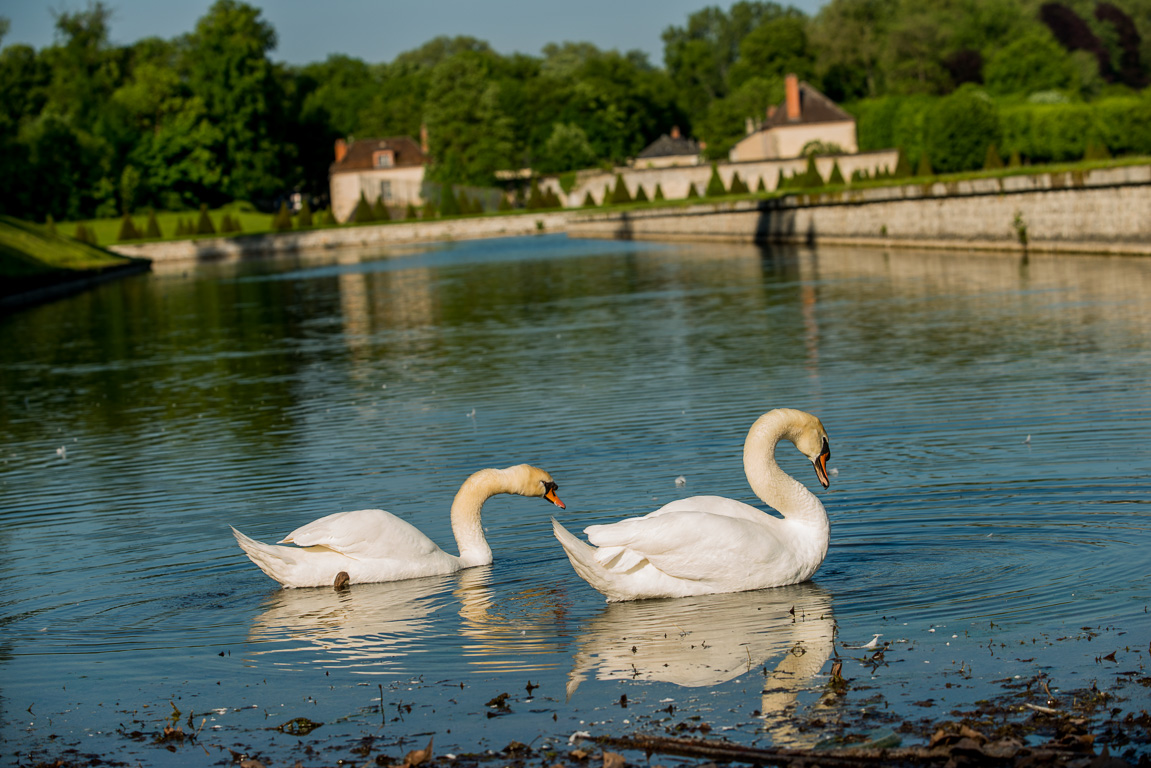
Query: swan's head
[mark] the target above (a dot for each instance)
(803, 429)
(533, 481)
(811, 440)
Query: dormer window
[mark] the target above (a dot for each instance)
(384, 158)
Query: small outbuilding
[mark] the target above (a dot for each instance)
(805, 116)
(390, 169)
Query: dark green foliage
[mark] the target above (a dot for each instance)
(552, 198)
(958, 129)
(620, 194)
(281, 222)
(811, 177)
(738, 187)
(715, 186)
(1096, 150)
(204, 224)
(85, 234)
(363, 211)
(152, 228)
(658, 192)
(640, 194)
(304, 215)
(128, 229)
(836, 176)
(691, 193)
(781, 180)
(411, 214)
(924, 168)
(50, 225)
(380, 211)
(535, 199)
(992, 161)
(449, 203)
(429, 210)
(902, 166)
(761, 186)
(1016, 160)
(505, 203)
(588, 200)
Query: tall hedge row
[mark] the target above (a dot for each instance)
(955, 130)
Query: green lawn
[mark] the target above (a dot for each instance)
(31, 257)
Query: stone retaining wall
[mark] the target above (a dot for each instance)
(1101, 211)
(398, 233)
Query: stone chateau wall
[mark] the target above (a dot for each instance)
(1100, 211)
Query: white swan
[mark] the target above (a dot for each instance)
(709, 544)
(371, 545)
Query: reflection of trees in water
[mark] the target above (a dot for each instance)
(786, 634)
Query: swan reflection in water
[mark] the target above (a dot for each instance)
(373, 626)
(378, 628)
(712, 639)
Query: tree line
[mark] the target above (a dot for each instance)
(92, 129)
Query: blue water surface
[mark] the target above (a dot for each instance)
(990, 498)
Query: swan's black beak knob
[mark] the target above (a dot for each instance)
(820, 464)
(551, 495)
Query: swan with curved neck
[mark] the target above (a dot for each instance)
(371, 545)
(710, 544)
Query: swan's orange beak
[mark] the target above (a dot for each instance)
(821, 464)
(553, 497)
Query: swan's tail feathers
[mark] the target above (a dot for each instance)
(271, 559)
(582, 557)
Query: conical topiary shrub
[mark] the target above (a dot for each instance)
(204, 224)
(363, 211)
(282, 221)
(715, 186)
(128, 229)
(152, 228)
(304, 215)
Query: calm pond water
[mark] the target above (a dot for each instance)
(991, 505)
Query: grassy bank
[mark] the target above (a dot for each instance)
(32, 258)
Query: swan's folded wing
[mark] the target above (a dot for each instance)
(687, 544)
(362, 534)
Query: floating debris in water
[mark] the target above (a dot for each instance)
(681, 481)
(62, 452)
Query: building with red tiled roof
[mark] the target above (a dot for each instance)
(804, 116)
(391, 169)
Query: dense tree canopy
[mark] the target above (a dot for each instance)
(91, 128)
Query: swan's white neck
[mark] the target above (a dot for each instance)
(771, 484)
(466, 524)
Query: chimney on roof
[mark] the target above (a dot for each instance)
(424, 138)
(341, 149)
(791, 88)
(675, 131)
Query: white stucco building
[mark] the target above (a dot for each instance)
(805, 115)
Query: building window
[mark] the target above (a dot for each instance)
(384, 158)
(386, 191)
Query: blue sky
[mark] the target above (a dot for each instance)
(378, 30)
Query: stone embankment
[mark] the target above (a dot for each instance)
(1097, 211)
(397, 233)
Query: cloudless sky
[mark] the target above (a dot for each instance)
(378, 30)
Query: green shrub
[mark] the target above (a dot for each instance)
(281, 222)
(691, 193)
(449, 203)
(50, 225)
(640, 195)
(992, 161)
(658, 192)
(959, 127)
(620, 194)
(304, 215)
(128, 229)
(412, 214)
(152, 228)
(836, 176)
(715, 186)
(902, 166)
(762, 186)
(811, 177)
(738, 187)
(363, 211)
(380, 211)
(588, 200)
(924, 169)
(204, 224)
(429, 210)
